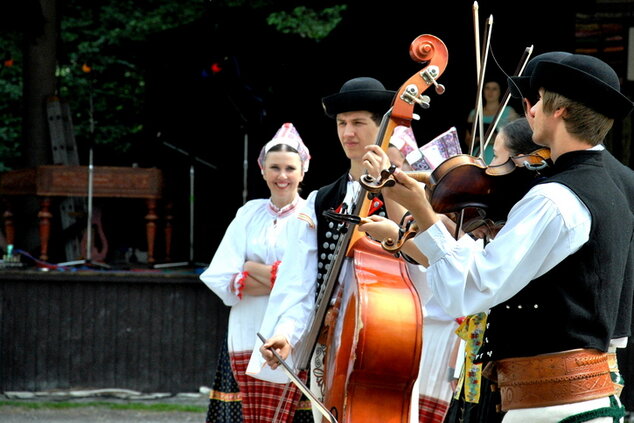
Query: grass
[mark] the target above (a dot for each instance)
(110, 405)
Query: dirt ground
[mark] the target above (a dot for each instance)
(87, 412)
(11, 414)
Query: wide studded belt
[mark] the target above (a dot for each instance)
(553, 379)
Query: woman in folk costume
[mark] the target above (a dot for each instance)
(243, 272)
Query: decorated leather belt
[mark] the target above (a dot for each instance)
(553, 379)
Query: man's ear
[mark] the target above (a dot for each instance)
(560, 112)
(527, 105)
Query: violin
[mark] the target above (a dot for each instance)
(466, 183)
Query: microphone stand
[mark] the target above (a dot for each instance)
(245, 164)
(91, 171)
(193, 159)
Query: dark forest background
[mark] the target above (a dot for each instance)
(227, 73)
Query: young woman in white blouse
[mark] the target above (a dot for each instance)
(243, 272)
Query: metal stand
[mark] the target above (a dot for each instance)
(194, 159)
(245, 166)
(245, 161)
(91, 171)
(88, 260)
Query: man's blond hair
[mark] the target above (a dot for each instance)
(581, 121)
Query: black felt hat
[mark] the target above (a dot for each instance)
(585, 79)
(520, 86)
(361, 93)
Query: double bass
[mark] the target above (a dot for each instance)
(371, 324)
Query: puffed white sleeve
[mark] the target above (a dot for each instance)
(292, 299)
(229, 257)
(547, 225)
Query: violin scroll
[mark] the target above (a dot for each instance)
(535, 161)
(374, 185)
(394, 246)
(386, 179)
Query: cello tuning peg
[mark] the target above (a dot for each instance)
(410, 94)
(423, 101)
(429, 75)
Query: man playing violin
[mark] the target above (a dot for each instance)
(622, 175)
(553, 277)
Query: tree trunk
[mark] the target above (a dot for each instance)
(40, 52)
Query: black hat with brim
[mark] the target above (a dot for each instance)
(361, 93)
(585, 79)
(520, 86)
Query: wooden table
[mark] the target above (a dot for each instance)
(72, 181)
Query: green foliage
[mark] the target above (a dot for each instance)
(99, 69)
(101, 64)
(10, 101)
(306, 22)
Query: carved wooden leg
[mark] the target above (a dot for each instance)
(169, 206)
(150, 225)
(9, 228)
(45, 226)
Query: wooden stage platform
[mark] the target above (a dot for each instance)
(149, 331)
(145, 330)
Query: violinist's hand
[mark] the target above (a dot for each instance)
(488, 231)
(281, 346)
(379, 228)
(411, 194)
(481, 232)
(375, 160)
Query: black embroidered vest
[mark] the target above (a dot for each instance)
(576, 304)
(328, 232)
(623, 177)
